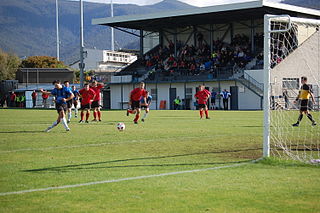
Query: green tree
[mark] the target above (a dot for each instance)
(42, 62)
(9, 63)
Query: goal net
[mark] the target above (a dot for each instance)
(292, 50)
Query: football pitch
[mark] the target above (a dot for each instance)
(173, 162)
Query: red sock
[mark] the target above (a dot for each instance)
(82, 115)
(201, 113)
(207, 114)
(136, 118)
(130, 111)
(87, 115)
(99, 115)
(94, 115)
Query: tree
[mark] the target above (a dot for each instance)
(42, 62)
(9, 63)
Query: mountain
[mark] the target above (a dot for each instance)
(27, 27)
(314, 4)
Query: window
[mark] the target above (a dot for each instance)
(290, 83)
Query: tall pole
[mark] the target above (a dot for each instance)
(112, 29)
(81, 64)
(57, 29)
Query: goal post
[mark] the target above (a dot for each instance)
(291, 50)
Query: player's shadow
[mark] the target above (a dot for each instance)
(87, 166)
(20, 131)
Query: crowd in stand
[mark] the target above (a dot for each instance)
(191, 60)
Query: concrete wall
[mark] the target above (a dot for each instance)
(246, 99)
(303, 61)
(92, 59)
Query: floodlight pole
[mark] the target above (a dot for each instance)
(112, 29)
(57, 29)
(81, 64)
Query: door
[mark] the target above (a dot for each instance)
(234, 98)
(172, 96)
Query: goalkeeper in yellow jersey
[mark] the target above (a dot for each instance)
(304, 95)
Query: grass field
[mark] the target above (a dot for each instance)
(163, 165)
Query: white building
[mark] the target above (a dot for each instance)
(106, 60)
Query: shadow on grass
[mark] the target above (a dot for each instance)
(20, 131)
(89, 165)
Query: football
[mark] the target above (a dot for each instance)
(121, 126)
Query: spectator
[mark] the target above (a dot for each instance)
(22, 101)
(45, 97)
(12, 99)
(225, 98)
(3, 100)
(286, 98)
(176, 103)
(213, 99)
(34, 99)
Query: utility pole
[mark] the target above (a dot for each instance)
(57, 29)
(81, 64)
(112, 30)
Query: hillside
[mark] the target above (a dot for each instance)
(27, 27)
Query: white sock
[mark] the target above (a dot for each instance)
(53, 125)
(145, 115)
(75, 111)
(64, 122)
(69, 116)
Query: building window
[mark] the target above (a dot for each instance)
(154, 94)
(290, 83)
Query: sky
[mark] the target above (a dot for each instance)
(198, 3)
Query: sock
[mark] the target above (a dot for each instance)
(99, 115)
(95, 115)
(54, 124)
(64, 122)
(310, 118)
(87, 115)
(207, 114)
(201, 113)
(75, 111)
(130, 111)
(145, 115)
(82, 115)
(136, 118)
(69, 116)
(300, 118)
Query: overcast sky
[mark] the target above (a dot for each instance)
(198, 3)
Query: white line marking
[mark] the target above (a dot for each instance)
(124, 179)
(104, 144)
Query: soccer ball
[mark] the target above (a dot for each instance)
(121, 126)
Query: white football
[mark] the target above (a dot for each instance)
(121, 126)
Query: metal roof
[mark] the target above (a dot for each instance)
(205, 15)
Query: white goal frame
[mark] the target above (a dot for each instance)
(267, 67)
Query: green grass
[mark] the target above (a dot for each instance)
(169, 141)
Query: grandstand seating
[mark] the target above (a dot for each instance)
(197, 63)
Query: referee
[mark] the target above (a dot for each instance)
(304, 95)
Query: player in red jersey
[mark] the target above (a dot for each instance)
(87, 96)
(134, 101)
(96, 102)
(202, 98)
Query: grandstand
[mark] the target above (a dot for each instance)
(219, 46)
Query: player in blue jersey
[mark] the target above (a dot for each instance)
(75, 100)
(62, 95)
(145, 105)
(69, 103)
